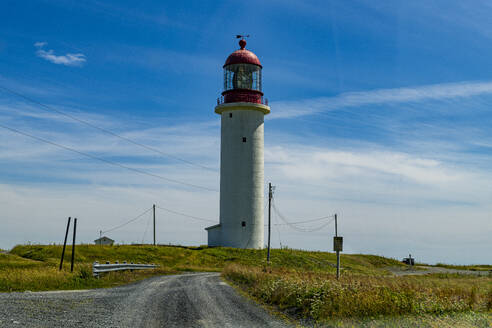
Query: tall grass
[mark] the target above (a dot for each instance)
(207, 258)
(34, 267)
(320, 296)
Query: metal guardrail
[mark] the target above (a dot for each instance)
(98, 268)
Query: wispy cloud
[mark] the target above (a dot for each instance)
(40, 44)
(68, 59)
(375, 188)
(290, 109)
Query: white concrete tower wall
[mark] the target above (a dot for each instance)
(242, 109)
(242, 174)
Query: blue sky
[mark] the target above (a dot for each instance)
(380, 112)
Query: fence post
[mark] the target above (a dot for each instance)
(73, 242)
(94, 270)
(64, 244)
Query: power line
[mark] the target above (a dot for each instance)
(186, 215)
(293, 226)
(107, 161)
(127, 222)
(48, 108)
(313, 220)
(146, 228)
(278, 230)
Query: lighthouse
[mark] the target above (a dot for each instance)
(242, 110)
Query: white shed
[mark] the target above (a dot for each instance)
(104, 241)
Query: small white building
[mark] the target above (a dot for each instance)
(104, 241)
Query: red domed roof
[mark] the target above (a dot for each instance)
(242, 56)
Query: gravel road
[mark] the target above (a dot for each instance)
(189, 300)
(423, 270)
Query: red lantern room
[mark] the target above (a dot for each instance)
(242, 77)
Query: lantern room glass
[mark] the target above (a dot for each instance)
(242, 76)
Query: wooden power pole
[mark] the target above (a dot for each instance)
(270, 194)
(73, 243)
(153, 208)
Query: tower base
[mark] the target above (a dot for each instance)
(214, 235)
(215, 239)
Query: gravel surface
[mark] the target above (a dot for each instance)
(423, 270)
(189, 300)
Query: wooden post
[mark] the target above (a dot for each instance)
(64, 243)
(153, 207)
(338, 252)
(338, 264)
(269, 218)
(73, 243)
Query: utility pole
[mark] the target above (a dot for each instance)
(64, 243)
(270, 195)
(153, 208)
(73, 243)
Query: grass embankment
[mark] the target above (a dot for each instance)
(319, 296)
(299, 283)
(35, 267)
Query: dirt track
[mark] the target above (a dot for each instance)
(190, 300)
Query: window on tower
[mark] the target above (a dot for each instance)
(242, 76)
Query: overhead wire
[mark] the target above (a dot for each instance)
(128, 222)
(146, 228)
(313, 220)
(293, 225)
(277, 228)
(185, 215)
(155, 150)
(140, 171)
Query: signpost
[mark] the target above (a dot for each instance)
(337, 245)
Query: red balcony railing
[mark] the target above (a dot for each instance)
(251, 98)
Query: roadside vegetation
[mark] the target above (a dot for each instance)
(321, 297)
(300, 284)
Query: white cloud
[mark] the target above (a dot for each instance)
(291, 109)
(381, 194)
(40, 44)
(68, 60)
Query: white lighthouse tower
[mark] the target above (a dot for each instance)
(242, 110)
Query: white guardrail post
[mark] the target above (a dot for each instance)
(98, 268)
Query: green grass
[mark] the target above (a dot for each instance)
(470, 319)
(319, 296)
(34, 267)
(298, 283)
(205, 258)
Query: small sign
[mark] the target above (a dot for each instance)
(338, 244)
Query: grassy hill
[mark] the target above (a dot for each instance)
(298, 283)
(35, 267)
